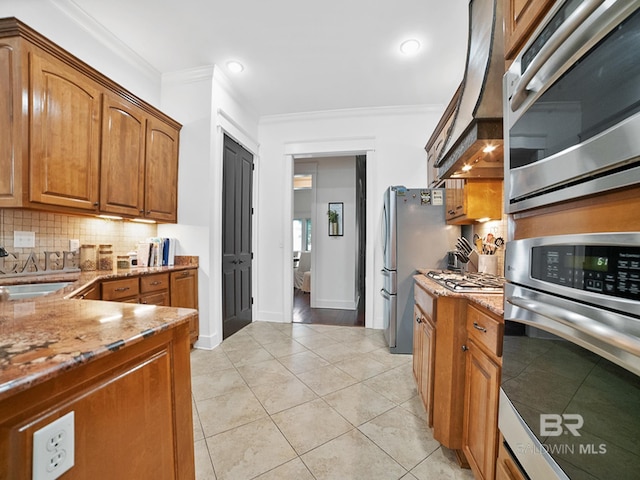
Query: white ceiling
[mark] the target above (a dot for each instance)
(302, 55)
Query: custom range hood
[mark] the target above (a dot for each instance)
(474, 144)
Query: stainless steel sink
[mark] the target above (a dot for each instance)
(30, 290)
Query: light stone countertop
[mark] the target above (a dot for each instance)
(493, 302)
(45, 336)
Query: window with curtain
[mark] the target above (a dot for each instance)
(301, 234)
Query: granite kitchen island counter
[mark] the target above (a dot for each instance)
(43, 337)
(122, 368)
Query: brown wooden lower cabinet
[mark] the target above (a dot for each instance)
(482, 386)
(506, 466)
(424, 339)
(132, 413)
(176, 289)
(184, 293)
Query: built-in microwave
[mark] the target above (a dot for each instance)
(572, 105)
(570, 385)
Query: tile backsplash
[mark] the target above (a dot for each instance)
(53, 231)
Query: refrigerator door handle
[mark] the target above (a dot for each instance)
(391, 318)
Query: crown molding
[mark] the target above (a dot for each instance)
(189, 75)
(107, 39)
(352, 113)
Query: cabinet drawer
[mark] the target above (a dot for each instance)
(485, 330)
(157, 298)
(117, 289)
(153, 283)
(425, 301)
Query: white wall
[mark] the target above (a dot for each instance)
(69, 27)
(393, 139)
(302, 203)
(201, 99)
(204, 101)
(334, 258)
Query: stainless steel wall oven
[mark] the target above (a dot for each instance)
(572, 105)
(570, 392)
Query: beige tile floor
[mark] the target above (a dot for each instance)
(292, 401)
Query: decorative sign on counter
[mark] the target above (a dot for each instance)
(49, 262)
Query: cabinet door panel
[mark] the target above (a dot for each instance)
(428, 366)
(417, 345)
(10, 138)
(184, 293)
(161, 176)
(122, 163)
(65, 135)
(480, 433)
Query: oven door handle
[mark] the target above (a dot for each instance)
(575, 325)
(557, 39)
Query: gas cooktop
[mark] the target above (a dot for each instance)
(467, 282)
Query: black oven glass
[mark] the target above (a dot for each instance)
(608, 270)
(598, 92)
(584, 410)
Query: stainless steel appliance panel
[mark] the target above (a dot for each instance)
(419, 238)
(571, 105)
(571, 384)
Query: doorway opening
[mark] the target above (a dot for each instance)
(329, 269)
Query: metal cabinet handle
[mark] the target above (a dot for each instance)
(418, 319)
(122, 289)
(185, 273)
(464, 348)
(479, 327)
(566, 29)
(157, 282)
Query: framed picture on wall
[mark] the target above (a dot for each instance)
(335, 219)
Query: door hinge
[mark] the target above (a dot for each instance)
(251, 210)
(251, 300)
(251, 255)
(253, 166)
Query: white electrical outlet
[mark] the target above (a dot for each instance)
(74, 245)
(24, 239)
(53, 448)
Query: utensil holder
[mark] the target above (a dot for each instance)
(488, 264)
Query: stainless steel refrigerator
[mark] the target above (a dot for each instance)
(414, 235)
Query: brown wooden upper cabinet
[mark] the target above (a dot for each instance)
(521, 17)
(161, 171)
(471, 200)
(123, 153)
(64, 123)
(139, 171)
(78, 142)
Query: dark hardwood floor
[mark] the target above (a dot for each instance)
(303, 313)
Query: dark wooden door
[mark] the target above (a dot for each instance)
(237, 209)
(361, 221)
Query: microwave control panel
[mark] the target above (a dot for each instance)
(609, 270)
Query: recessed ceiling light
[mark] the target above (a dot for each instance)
(410, 47)
(234, 66)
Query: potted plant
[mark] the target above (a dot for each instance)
(333, 222)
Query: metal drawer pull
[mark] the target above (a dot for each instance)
(185, 273)
(122, 289)
(479, 327)
(157, 282)
(464, 348)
